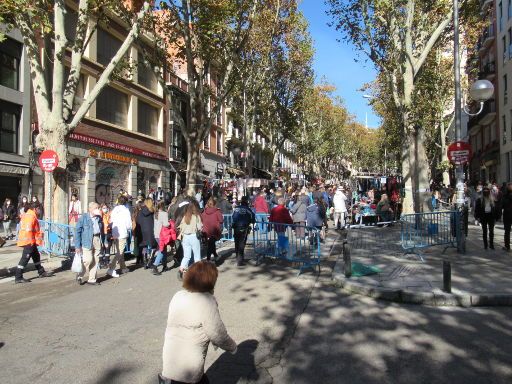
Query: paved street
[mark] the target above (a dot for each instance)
(290, 329)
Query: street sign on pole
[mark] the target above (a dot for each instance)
(48, 160)
(459, 153)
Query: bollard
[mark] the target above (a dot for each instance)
(347, 260)
(447, 276)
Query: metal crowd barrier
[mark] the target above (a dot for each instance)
(227, 228)
(421, 230)
(58, 239)
(294, 243)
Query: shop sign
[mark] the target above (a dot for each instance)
(48, 160)
(117, 146)
(220, 168)
(112, 156)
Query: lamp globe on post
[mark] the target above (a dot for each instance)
(480, 91)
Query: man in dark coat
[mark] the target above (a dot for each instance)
(507, 215)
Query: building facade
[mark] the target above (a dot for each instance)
(122, 143)
(504, 67)
(484, 129)
(16, 167)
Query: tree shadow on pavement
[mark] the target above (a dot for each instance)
(231, 368)
(115, 374)
(353, 339)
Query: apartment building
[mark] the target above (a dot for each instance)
(484, 129)
(122, 143)
(504, 67)
(16, 171)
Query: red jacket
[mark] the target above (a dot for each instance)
(280, 214)
(260, 204)
(212, 222)
(167, 236)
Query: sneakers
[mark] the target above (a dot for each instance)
(112, 272)
(155, 271)
(125, 270)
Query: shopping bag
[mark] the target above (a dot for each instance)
(77, 263)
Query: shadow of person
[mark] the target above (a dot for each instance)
(229, 368)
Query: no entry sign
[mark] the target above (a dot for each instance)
(459, 153)
(48, 160)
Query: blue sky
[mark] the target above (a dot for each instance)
(335, 61)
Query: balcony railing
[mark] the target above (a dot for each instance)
(487, 70)
(176, 153)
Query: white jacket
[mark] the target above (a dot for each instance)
(121, 220)
(340, 202)
(193, 322)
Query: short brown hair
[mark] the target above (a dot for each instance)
(201, 277)
(211, 203)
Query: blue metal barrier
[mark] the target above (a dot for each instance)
(293, 243)
(227, 228)
(58, 239)
(421, 230)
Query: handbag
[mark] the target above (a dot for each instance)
(77, 265)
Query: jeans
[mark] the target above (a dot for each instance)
(262, 221)
(190, 245)
(160, 256)
(7, 228)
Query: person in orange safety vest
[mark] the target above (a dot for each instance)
(29, 237)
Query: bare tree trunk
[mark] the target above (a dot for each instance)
(421, 171)
(193, 163)
(444, 155)
(407, 169)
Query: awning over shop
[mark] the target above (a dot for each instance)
(14, 168)
(262, 173)
(235, 171)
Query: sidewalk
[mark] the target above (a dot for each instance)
(479, 277)
(10, 255)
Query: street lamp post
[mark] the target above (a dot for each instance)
(480, 91)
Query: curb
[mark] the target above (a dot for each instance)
(432, 298)
(48, 263)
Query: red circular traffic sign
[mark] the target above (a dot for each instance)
(459, 152)
(48, 160)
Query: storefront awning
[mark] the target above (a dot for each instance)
(235, 171)
(262, 173)
(14, 168)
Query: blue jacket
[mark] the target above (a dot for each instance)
(84, 231)
(242, 217)
(314, 216)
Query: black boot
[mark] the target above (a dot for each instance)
(155, 271)
(19, 277)
(43, 273)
